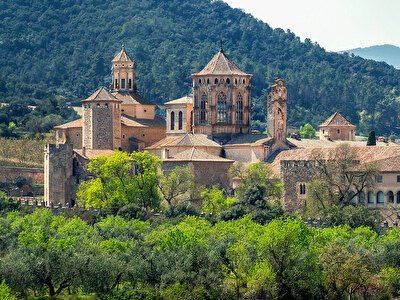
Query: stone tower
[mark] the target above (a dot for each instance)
(101, 121)
(277, 112)
(221, 95)
(123, 73)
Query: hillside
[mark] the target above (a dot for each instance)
(64, 48)
(387, 53)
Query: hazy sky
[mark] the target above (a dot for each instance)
(335, 24)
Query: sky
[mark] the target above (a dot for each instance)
(336, 25)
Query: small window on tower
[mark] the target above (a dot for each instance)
(98, 104)
(199, 80)
(122, 83)
(116, 83)
(106, 105)
(130, 83)
(208, 81)
(216, 81)
(244, 81)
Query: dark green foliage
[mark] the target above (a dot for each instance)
(371, 139)
(181, 210)
(7, 205)
(353, 216)
(64, 48)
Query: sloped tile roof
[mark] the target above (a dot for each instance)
(187, 140)
(313, 143)
(131, 98)
(249, 139)
(195, 154)
(183, 100)
(74, 124)
(102, 95)
(220, 64)
(94, 153)
(122, 56)
(136, 122)
(386, 157)
(336, 120)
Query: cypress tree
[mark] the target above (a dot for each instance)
(371, 139)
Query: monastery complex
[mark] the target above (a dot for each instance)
(208, 130)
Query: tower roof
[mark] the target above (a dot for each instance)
(336, 120)
(101, 94)
(122, 56)
(220, 64)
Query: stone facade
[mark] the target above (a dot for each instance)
(222, 98)
(277, 112)
(179, 115)
(58, 170)
(337, 128)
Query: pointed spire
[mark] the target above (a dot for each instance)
(221, 49)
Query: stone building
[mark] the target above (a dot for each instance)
(337, 128)
(118, 119)
(222, 98)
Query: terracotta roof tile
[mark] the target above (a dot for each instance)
(336, 120)
(196, 155)
(74, 124)
(122, 56)
(136, 122)
(220, 64)
(183, 100)
(187, 140)
(131, 98)
(94, 153)
(101, 94)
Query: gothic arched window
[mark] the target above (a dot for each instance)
(239, 109)
(203, 109)
(216, 81)
(228, 81)
(180, 120)
(172, 120)
(221, 108)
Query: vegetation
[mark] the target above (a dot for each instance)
(307, 131)
(241, 247)
(371, 139)
(41, 60)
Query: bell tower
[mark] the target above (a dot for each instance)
(221, 98)
(123, 73)
(277, 112)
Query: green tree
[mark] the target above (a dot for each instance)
(6, 292)
(176, 183)
(121, 179)
(214, 201)
(307, 131)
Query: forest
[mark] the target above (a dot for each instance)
(157, 235)
(61, 51)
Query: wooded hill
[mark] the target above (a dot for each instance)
(64, 48)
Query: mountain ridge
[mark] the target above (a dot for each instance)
(64, 49)
(387, 53)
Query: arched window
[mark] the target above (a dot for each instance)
(244, 81)
(106, 105)
(172, 120)
(228, 81)
(216, 81)
(361, 197)
(203, 109)
(221, 108)
(199, 80)
(208, 80)
(239, 109)
(130, 83)
(180, 121)
(398, 197)
(116, 83)
(235, 80)
(122, 83)
(390, 197)
(380, 198)
(371, 198)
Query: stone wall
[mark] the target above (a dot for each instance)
(149, 135)
(102, 127)
(8, 174)
(205, 173)
(212, 86)
(294, 173)
(58, 172)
